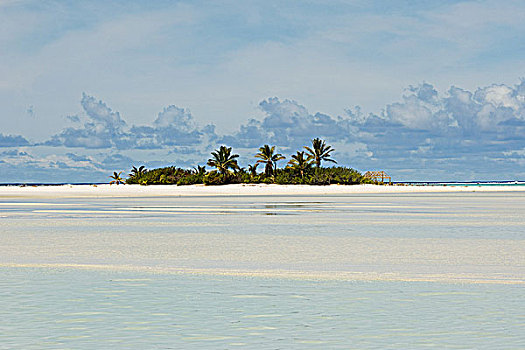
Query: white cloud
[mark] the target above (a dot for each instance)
(234, 55)
(173, 115)
(12, 140)
(102, 115)
(221, 59)
(499, 96)
(442, 133)
(101, 127)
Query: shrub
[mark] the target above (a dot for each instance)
(314, 176)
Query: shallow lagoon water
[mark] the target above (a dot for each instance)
(354, 271)
(56, 308)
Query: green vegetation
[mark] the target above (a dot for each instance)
(319, 152)
(117, 180)
(303, 168)
(223, 160)
(266, 156)
(138, 171)
(300, 163)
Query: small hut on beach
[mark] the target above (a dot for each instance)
(380, 176)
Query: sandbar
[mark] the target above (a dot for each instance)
(106, 190)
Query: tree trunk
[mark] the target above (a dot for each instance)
(268, 169)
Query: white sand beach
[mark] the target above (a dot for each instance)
(105, 190)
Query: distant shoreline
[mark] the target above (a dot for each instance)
(106, 190)
(396, 183)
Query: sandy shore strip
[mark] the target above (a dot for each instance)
(68, 191)
(313, 275)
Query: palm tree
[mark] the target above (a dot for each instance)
(138, 172)
(253, 169)
(223, 160)
(116, 178)
(267, 157)
(199, 170)
(300, 162)
(319, 152)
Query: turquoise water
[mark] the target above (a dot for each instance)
(403, 271)
(471, 183)
(64, 309)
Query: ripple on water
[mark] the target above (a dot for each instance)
(122, 304)
(174, 310)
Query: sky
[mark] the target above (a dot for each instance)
(424, 90)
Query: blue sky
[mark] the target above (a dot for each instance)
(426, 90)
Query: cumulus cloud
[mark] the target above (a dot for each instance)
(443, 133)
(99, 127)
(288, 124)
(116, 161)
(174, 127)
(12, 141)
(458, 134)
(52, 161)
(420, 109)
(100, 113)
(19, 166)
(175, 116)
(486, 113)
